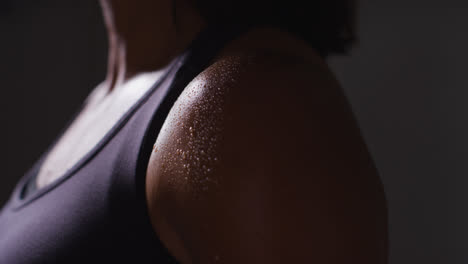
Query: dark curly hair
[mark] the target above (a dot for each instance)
(327, 25)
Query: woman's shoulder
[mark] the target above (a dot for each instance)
(253, 143)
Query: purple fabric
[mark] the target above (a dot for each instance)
(96, 212)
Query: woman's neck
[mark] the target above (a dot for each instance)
(144, 36)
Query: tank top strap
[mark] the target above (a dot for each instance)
(203, 49)
(196, 58)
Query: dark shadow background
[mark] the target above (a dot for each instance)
(406, 81)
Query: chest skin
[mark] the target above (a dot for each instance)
(100, 113)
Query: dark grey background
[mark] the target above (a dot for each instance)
(406, 81)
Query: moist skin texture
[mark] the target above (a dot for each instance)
(260, 160)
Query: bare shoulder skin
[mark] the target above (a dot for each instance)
(261, 161)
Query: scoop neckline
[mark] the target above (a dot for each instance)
(22, 200)
(225, 32)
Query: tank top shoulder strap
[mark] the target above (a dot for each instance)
(195, 59)
(203, 50)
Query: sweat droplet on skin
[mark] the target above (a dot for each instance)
(197, 119)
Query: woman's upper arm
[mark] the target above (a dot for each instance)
(264, 164)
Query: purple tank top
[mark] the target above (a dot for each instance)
(96, 212)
